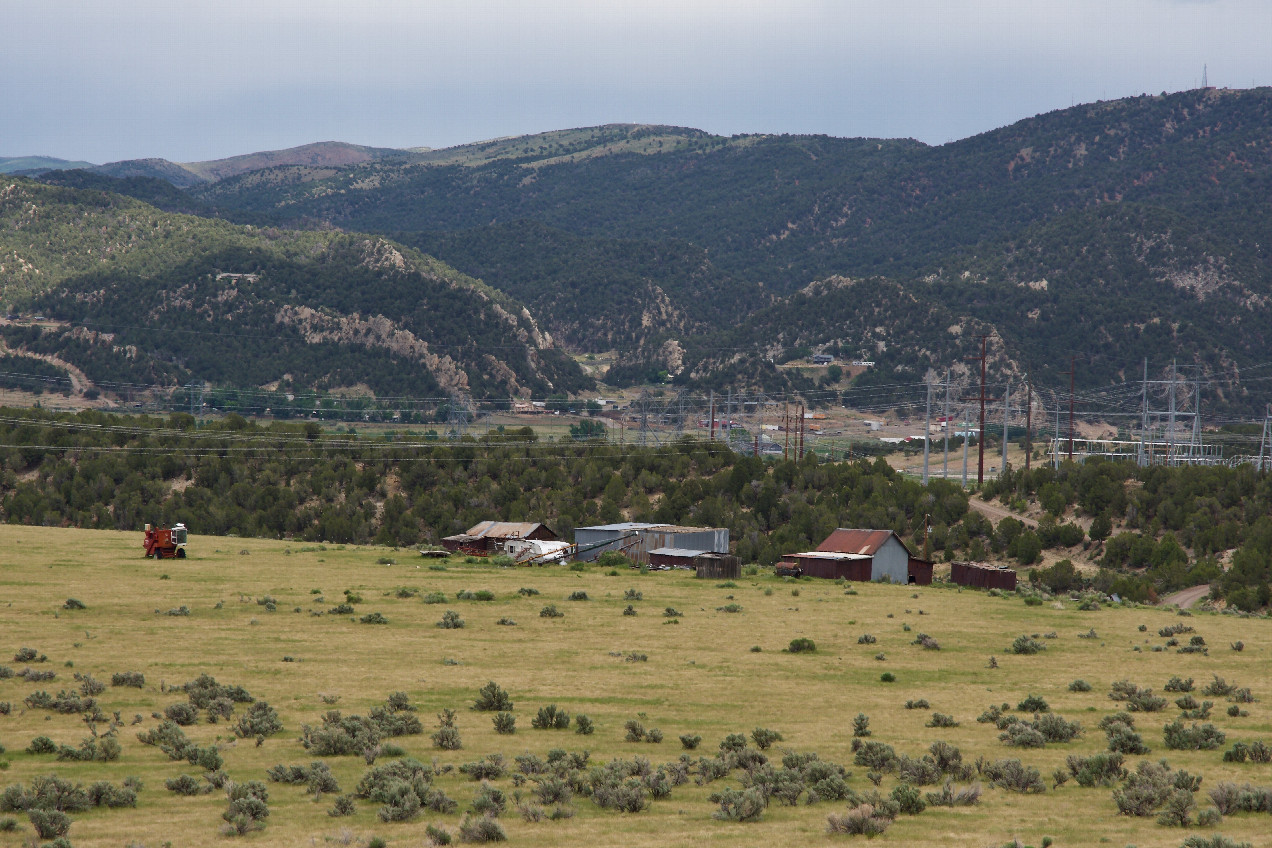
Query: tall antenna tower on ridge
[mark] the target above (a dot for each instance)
(1205, 82)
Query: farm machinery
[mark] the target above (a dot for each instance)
(165, 542)
(534, 552)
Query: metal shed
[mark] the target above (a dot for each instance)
(593, 541)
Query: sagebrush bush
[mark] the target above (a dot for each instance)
(505, 723)
(1146, 789)
(764, 738)
(740, 806)
(1033, 704)
(490, 767)
(182, 713)
(1026, 645)
(450, 621)
(550, 718)
(967, 796)
(1097, 769)
(862, 820)
(583, 725)
(49, 824)
(802, 645)
(1014, 776)
(492, 698)
(550, 611)
(259, 721)
(1198, 737)
(1079, 686)
(1255, 752)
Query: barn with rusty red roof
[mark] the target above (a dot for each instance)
(862, 555)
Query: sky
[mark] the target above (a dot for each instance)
(191, 80)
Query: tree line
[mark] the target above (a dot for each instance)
(296, 480)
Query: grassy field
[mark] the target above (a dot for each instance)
(702, 676)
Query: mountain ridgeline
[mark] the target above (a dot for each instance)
(137, 296)
(1112, 232)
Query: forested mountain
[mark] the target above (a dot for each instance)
(35, 164)
(139, 296)
(1111, 232)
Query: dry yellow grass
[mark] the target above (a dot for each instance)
(701, 677)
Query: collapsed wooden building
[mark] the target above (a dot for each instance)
(490, 537)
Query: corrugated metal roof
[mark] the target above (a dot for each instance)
(623, 525)
(636, 525)
(848, 541)
(679, 552)
(503, 529)
(829, 555)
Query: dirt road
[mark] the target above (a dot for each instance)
(1187, 597)
(997, 512)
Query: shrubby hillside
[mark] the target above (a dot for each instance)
(140, 296)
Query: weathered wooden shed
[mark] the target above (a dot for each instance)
(830, 565)
(674, 557)
(920, 571)
(714, 566)
(983, 575)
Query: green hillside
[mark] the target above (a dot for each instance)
(144, 297)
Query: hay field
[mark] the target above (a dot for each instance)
(702, 676)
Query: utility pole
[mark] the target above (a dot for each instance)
(1072, 377)
(711, 417)
(1195, 447)
(965, 447)
(927, 432)
(1170, 436)
(980, 435)
(799, 432)
(1144, 457)
(945, 464)
(1265, 439)
(1006, 412)
(1028, 421)
(1055, 450)
(786, 429)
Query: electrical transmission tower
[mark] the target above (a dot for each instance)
(460, 413)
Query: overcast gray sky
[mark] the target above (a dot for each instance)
(189, 80)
